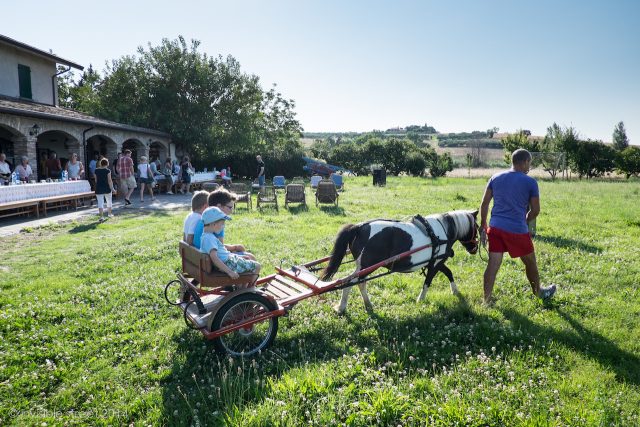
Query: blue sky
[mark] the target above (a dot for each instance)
(363, 65)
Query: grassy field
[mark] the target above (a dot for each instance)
(87, 339)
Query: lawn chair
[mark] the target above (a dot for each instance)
(278, 182)
(294, 193)
(327, 192)
(297, 180)
(267, 195)
(338, 181)
(242, 192)
(210, 186)
(315, 179)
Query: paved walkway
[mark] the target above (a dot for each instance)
(163, 202)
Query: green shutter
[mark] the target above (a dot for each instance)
(24, 77)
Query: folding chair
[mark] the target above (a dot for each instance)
(267, 195)
(279, 182)
(338, 181)
(242, 192)
(327, 192)
(315, 179)
(294, 193)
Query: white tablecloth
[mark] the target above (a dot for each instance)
(197, 177)
(15, 193)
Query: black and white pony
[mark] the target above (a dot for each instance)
(378, 240)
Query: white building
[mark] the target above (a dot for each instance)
(33, 125)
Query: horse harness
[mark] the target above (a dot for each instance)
(426, 228)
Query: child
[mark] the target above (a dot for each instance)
(223, 200)
(231, 264)
(198, 205)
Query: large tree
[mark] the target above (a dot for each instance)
(620, 140)
(207, 104)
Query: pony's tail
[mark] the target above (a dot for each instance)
(345, 236)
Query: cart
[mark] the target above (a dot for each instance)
(241, 315)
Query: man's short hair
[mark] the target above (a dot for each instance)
(127, 151)
(199, 199)
(221, 196)
(520, 155)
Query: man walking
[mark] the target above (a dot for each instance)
(126, 174)
(260, 170)
(516, 200)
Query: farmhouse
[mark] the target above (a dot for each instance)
(32, 123)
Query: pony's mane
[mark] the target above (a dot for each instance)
(462, 218)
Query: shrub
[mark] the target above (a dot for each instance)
(628, 161)
(440, 165)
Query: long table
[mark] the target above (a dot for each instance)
(16, 193)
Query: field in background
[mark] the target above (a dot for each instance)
(87, 339)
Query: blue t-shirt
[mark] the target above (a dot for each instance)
(512, 191)
(199, 230)
(210, 242)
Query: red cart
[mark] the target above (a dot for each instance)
(241, 315)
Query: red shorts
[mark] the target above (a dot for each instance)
(516, 244)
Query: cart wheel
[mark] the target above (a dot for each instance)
(172, 289)
(188, 322)
(249, 340)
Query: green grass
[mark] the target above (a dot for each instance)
(87, 339)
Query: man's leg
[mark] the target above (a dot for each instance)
(493, 265)
(531, 268)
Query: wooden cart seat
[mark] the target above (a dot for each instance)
(199, 266)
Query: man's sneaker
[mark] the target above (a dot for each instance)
(546, 293)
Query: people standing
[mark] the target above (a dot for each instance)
(185, 175)
(516, 200)
(260, 171)
(74, 168)
(53, 166)
(104, 188)
(146, 178)
(127, 178)
(168, 174)
(24, 170)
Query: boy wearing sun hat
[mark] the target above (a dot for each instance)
(225, 261)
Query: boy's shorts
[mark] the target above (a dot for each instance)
(518, 245)
(241, 265)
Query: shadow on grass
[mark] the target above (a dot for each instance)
(586, 342)
(332, 210)
(563, 242)
(297, 208)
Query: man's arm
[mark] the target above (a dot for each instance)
(484, 207)
(534, 208)
(261, 171)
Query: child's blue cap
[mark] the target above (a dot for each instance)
(213, 214)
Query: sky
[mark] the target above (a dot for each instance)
(356, 65)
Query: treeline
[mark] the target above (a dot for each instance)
(395, 155)
(586, 158)
(211, 108)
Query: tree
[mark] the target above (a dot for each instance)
(520, 139)
(629, 161)
(620, 140)
(440, 165)
(593, 159)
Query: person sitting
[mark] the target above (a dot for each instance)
(198, 205)
(5, 169)
(227, 262)
(23, 170)
(223, 200)
(226, 179)
(74, 168)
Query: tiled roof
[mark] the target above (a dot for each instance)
(44, 111)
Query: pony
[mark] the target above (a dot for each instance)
(374, 241)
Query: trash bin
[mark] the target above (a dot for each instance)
(380, 177)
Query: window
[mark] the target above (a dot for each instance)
(24, 78)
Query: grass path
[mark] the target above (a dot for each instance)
(86, 338)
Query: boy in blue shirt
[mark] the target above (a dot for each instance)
(227, 262)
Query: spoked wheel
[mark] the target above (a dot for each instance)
(172, 293)
(253, 338)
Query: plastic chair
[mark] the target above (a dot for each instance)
(267, 195)
(294, 193)
(338, 181)
(279, 182)
(242, 192)
(315, 179)
(327, 192)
